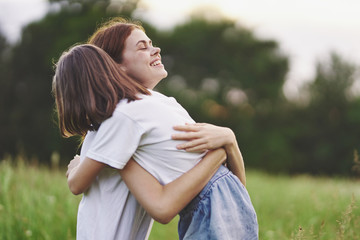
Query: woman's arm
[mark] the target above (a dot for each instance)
(163, 203)
(203, 136)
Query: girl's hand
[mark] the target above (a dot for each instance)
(203, 136)
(73, 164)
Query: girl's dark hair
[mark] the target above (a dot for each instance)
(111, 36)
(87, 86)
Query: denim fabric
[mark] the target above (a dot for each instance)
(222, 210)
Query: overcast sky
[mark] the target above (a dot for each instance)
(306, 30)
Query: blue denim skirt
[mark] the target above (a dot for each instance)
(222, 210)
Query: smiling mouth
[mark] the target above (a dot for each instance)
(155, 63)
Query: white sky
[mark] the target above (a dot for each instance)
(306, 30)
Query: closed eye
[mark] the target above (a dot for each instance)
(143, 45)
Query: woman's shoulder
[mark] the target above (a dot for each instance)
(134, 107)
(162, 96)
(153, 98)
(146, 104)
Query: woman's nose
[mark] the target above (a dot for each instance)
(156, 50)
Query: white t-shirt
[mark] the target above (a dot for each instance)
(140, 129)
(108, 210)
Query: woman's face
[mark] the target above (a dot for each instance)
(142, 61)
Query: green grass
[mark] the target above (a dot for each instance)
(304, 207)
(35, 203)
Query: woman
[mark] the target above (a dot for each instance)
(129, 46)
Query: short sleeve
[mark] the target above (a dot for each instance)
(116, 141)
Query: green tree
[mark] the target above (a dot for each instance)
(329, 125)
(5, 96)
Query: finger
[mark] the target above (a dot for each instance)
(71, 165)
(194, 124)
(198, 148)
(190, 144)
(186, 128)
(184, 136)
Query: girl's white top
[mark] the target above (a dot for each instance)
(140, 129)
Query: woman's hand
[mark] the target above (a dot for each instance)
(80, 175)
(73, 164)
(203, 136)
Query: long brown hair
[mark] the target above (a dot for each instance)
(111, 36)
(88, 85)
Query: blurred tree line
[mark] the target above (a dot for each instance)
(219, 71)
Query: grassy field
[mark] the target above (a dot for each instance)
(36, 204)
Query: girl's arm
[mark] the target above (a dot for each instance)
(163, 203)
(203, 136)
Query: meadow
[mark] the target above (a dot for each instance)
(35, 203)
